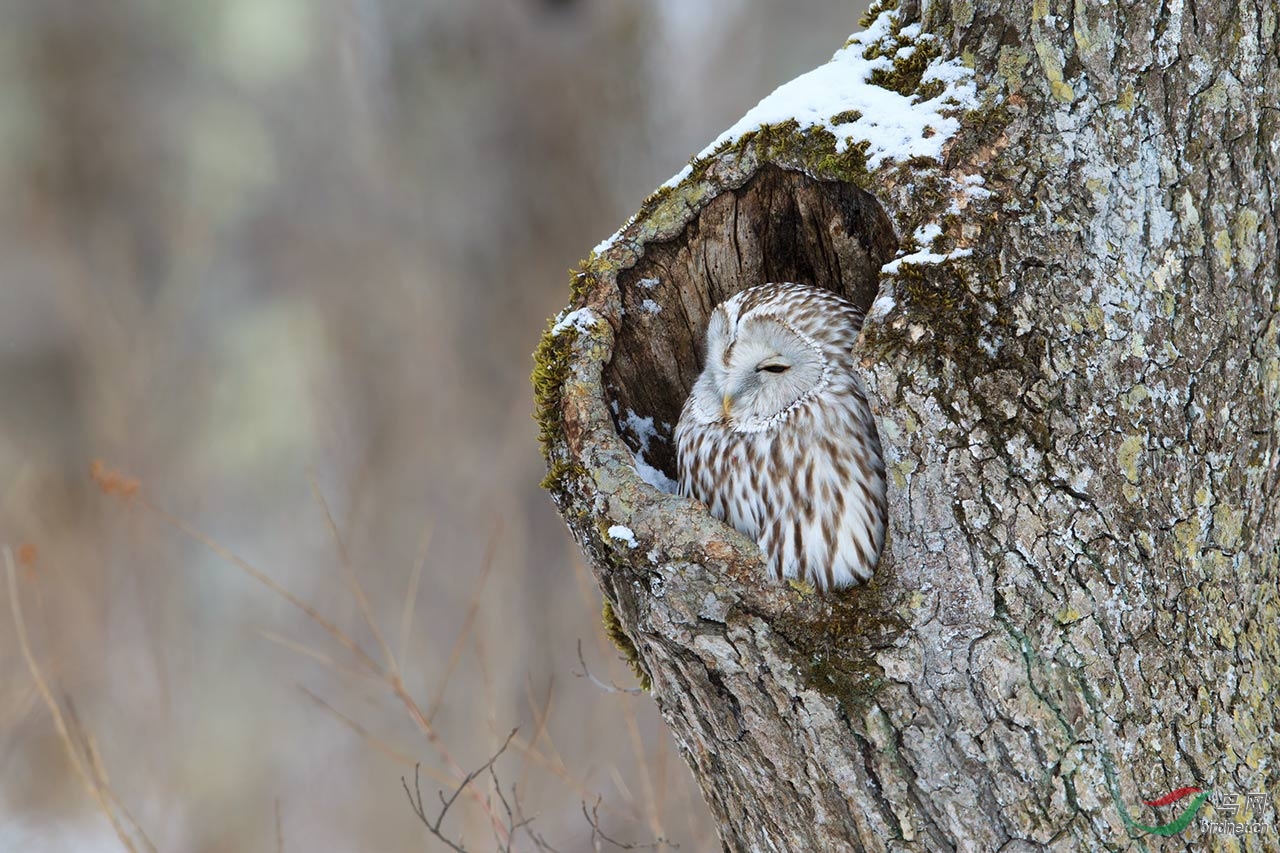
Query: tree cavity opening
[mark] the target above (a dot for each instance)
(779, 226)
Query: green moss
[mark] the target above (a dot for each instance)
(582, 279)
(905, 75)
(550, 370)
(950, 225)
(876, 10)
(984, 124)
(846, 117)
(655, 198)
(935, 295)
(813, 149)
(613, 629)
(559, 473)
(833, 637)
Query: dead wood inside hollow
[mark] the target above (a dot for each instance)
(779, 226)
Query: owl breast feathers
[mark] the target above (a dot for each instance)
(777, 438)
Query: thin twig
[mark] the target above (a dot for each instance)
(446, 803)
(503, 847)
(607, 688)
(629, 716)
(526, 823)
(516, 819)
(598, 834)
(279, 829)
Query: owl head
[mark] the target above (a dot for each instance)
(757, 367)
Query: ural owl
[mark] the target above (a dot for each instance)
(776, 437)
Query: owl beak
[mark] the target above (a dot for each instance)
(727, 408)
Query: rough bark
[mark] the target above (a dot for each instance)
(1078, 608)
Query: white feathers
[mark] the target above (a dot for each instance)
(777, 438)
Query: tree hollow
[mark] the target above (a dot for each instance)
(779, 226)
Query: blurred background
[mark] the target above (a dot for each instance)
(277, 262)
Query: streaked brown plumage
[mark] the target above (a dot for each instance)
(777, 438)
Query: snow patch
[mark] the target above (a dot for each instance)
(926, 234)
(645, 432)
(894, 128)
(893, 125)
(582, 320)
(883, 305)
(623, 534)
(975, 186)
(641, 428)
(924, 256)
(655, 477)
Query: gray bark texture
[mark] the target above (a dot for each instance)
(1077, 609)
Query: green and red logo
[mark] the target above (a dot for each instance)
(1183, 820)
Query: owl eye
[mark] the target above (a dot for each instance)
(774, 368)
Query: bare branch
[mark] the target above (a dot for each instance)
(598, 834)
(516, 819)
(446, 803)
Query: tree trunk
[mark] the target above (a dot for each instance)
(1076, 378)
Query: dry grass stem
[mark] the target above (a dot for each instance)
(78, 763)
(318, 656)
(503, 814)
(455, 654)
(411, 594)
(356, 588)
(540, 718)
(388, 676)
(366, 735)
(266, 580)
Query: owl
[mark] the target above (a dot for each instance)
(777, 439)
